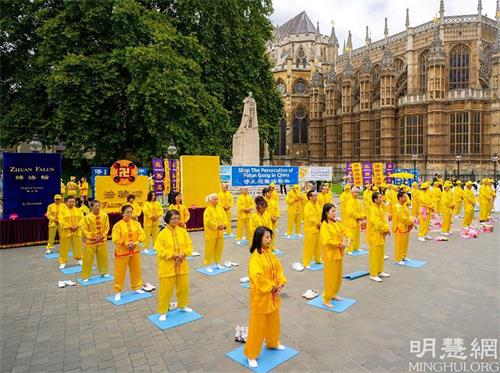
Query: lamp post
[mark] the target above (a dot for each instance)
(171, 152)
(35, 145)
(458, 158)
(494, 159)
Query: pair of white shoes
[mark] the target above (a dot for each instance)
(310, 294)
(209, 269)
(253, 363)
(48, 251)
(244, 280)
(241, 334)
(377, 278)
(297, 267)
(195, 253)
(103, 275)
(65, 283)
(183, 309)
(230, 264)
(446, 233)
(118, 296)
(63, 265)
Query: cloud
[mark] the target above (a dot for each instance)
(354, 15)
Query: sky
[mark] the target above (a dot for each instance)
(355, 15)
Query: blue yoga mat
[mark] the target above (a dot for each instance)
(243, 242)
(359, 252)
(71, 270)
(316, 267)
(245, 284)
(192, 257)
(293, 237)
(413, 263)
(268, 359)
(355, 275)
(338, 305)
(152, 252)
(94, 280)
(55, 255)
(216, 271)
(229, 235)
(128, 297)
(278, 252)
(174, 318)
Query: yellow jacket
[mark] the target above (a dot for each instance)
(274, 196)
(226, 199)
(376, 225)
(169, 244)
(151, 209)
(125, 232)
(244, 202)
(95, 226)
(344, 198)
(332, 235)
(84, 189)
(257, 220)
(183, 212)
(63, 189)
(446, 202)
(265, 272)
(415, 202)
(484, 197)
(312, 217)
(458, 194)
(272, 208)
(469, 200)
(367, 198)
(353, 212)
(69, 217)
(136, 209)
(424, 199)
(401, 218)
(324, 198)
(294, 202)
(71, 188)
(436, 198)
(53, 211)
(85, 210)
(212, 218)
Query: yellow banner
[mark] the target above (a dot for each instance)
(357, 174)
(200, 177)
(113, 196)
(378, 173)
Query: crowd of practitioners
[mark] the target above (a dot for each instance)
(328, 231)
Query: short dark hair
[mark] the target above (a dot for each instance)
(169, 215)
(326, 209)
(257, 238)
(124, 207)
(70, 197)
(309, 194)
(150, 196)
(401, 194)
(174, 196)
(129, 197)
(260, 201)
(265, 191)
(375, 196)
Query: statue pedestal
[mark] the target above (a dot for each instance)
(246, 143)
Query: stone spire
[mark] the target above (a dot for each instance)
(386, 30)
(317, 27)
(367, 37)
(387, 58)
(496, 45)
(436, 51)
(407, 23)
(479, 7)
(349, 72)
(333, 38)
(349, 42)
(441, 8)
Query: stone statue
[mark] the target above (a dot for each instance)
(246, 139)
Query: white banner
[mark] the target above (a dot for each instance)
(311, 173)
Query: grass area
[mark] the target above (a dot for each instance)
(336, 188)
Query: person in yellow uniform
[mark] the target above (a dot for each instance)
(458, 198)
(469, 204)
(493, 194)
(53, 211)
(353, 216)
(425, 212)
(334, 238)
(226, 201)
(83, 205)
(435, 192)
(274, 193)
(447, 205)
(151, 182)
(72, 187)
(63, 188)
(181, 208)
(377, 229)
(245, 205)
(325, 196)
(294, 210)
(312, 224)
(127, 235)
(390, 199)
(259, 218)
(214, 223)
(152, 218)
(95, 232)
(402, 223)
(484, 199)
(84, 188)
(274, 213)
(173, 247)
(70, 221)
(344, 197)
(367, 195)
(414, 199)
(137, 211)
(266, 282)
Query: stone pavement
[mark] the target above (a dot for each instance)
(44, 328)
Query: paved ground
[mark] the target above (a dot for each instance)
(44, 328)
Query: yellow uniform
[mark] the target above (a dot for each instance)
(213, 217)
(446, 209)
(170, 244)
(376, 229)
(294, 210)
(226, 201)
(469, 204)
(353, 212)
(244, 201)
(484, 200)
(458, 197)
(257, 220)
(136, 209)
(68, 218)
(344, 198)
(401, 226)
(332, 235)
(391, 196)
(84, 209)
(95, 231)
(435, 193)
(63, 189)
(367, 199)
(493, 194)
(274, 212)
(72, 188)
(152, 217)
(183, 212)
(415, 203)
(324, 198)
(53, 211)
(84, 189)
(425, 212)
(312, 244)
(124, 233)
(265, 273)
(274, 196)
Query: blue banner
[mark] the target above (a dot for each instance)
(225, 174)
(264, 175)
(97, 171)
(30, 181)
(142, 171)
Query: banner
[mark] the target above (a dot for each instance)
(357, 174)
(367, 173)
(264, 175)
(97, 171)
(200, 177)
(225, 174)
(143, 171)
(378, 173)
(311, 173)
(158, 176)
(348, 172)
(30, 181)
(389, 169)
(113, 196)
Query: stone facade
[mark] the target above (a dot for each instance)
(426, 94)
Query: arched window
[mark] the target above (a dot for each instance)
(459, 67)
(300, 86)
(422, 71)
(280, 84)
(299, 126)
(280, 148)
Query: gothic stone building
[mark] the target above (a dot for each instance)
(427, 94)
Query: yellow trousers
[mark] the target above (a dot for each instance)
(333, 279)
(52, 236)
(458, 207)
(262, 327)
(312, 249)
(355, 232)
(376, 259)
(483, 211)
(273, 240)
(166, 290)
(229, 228)
(468, 217)
(152, 230)
(243, 224)
(400, 246)
(213, 251)
(89, 252)
(446, 222)
(134, 264)
(294, 221)
(423, 228)
(74, 242)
